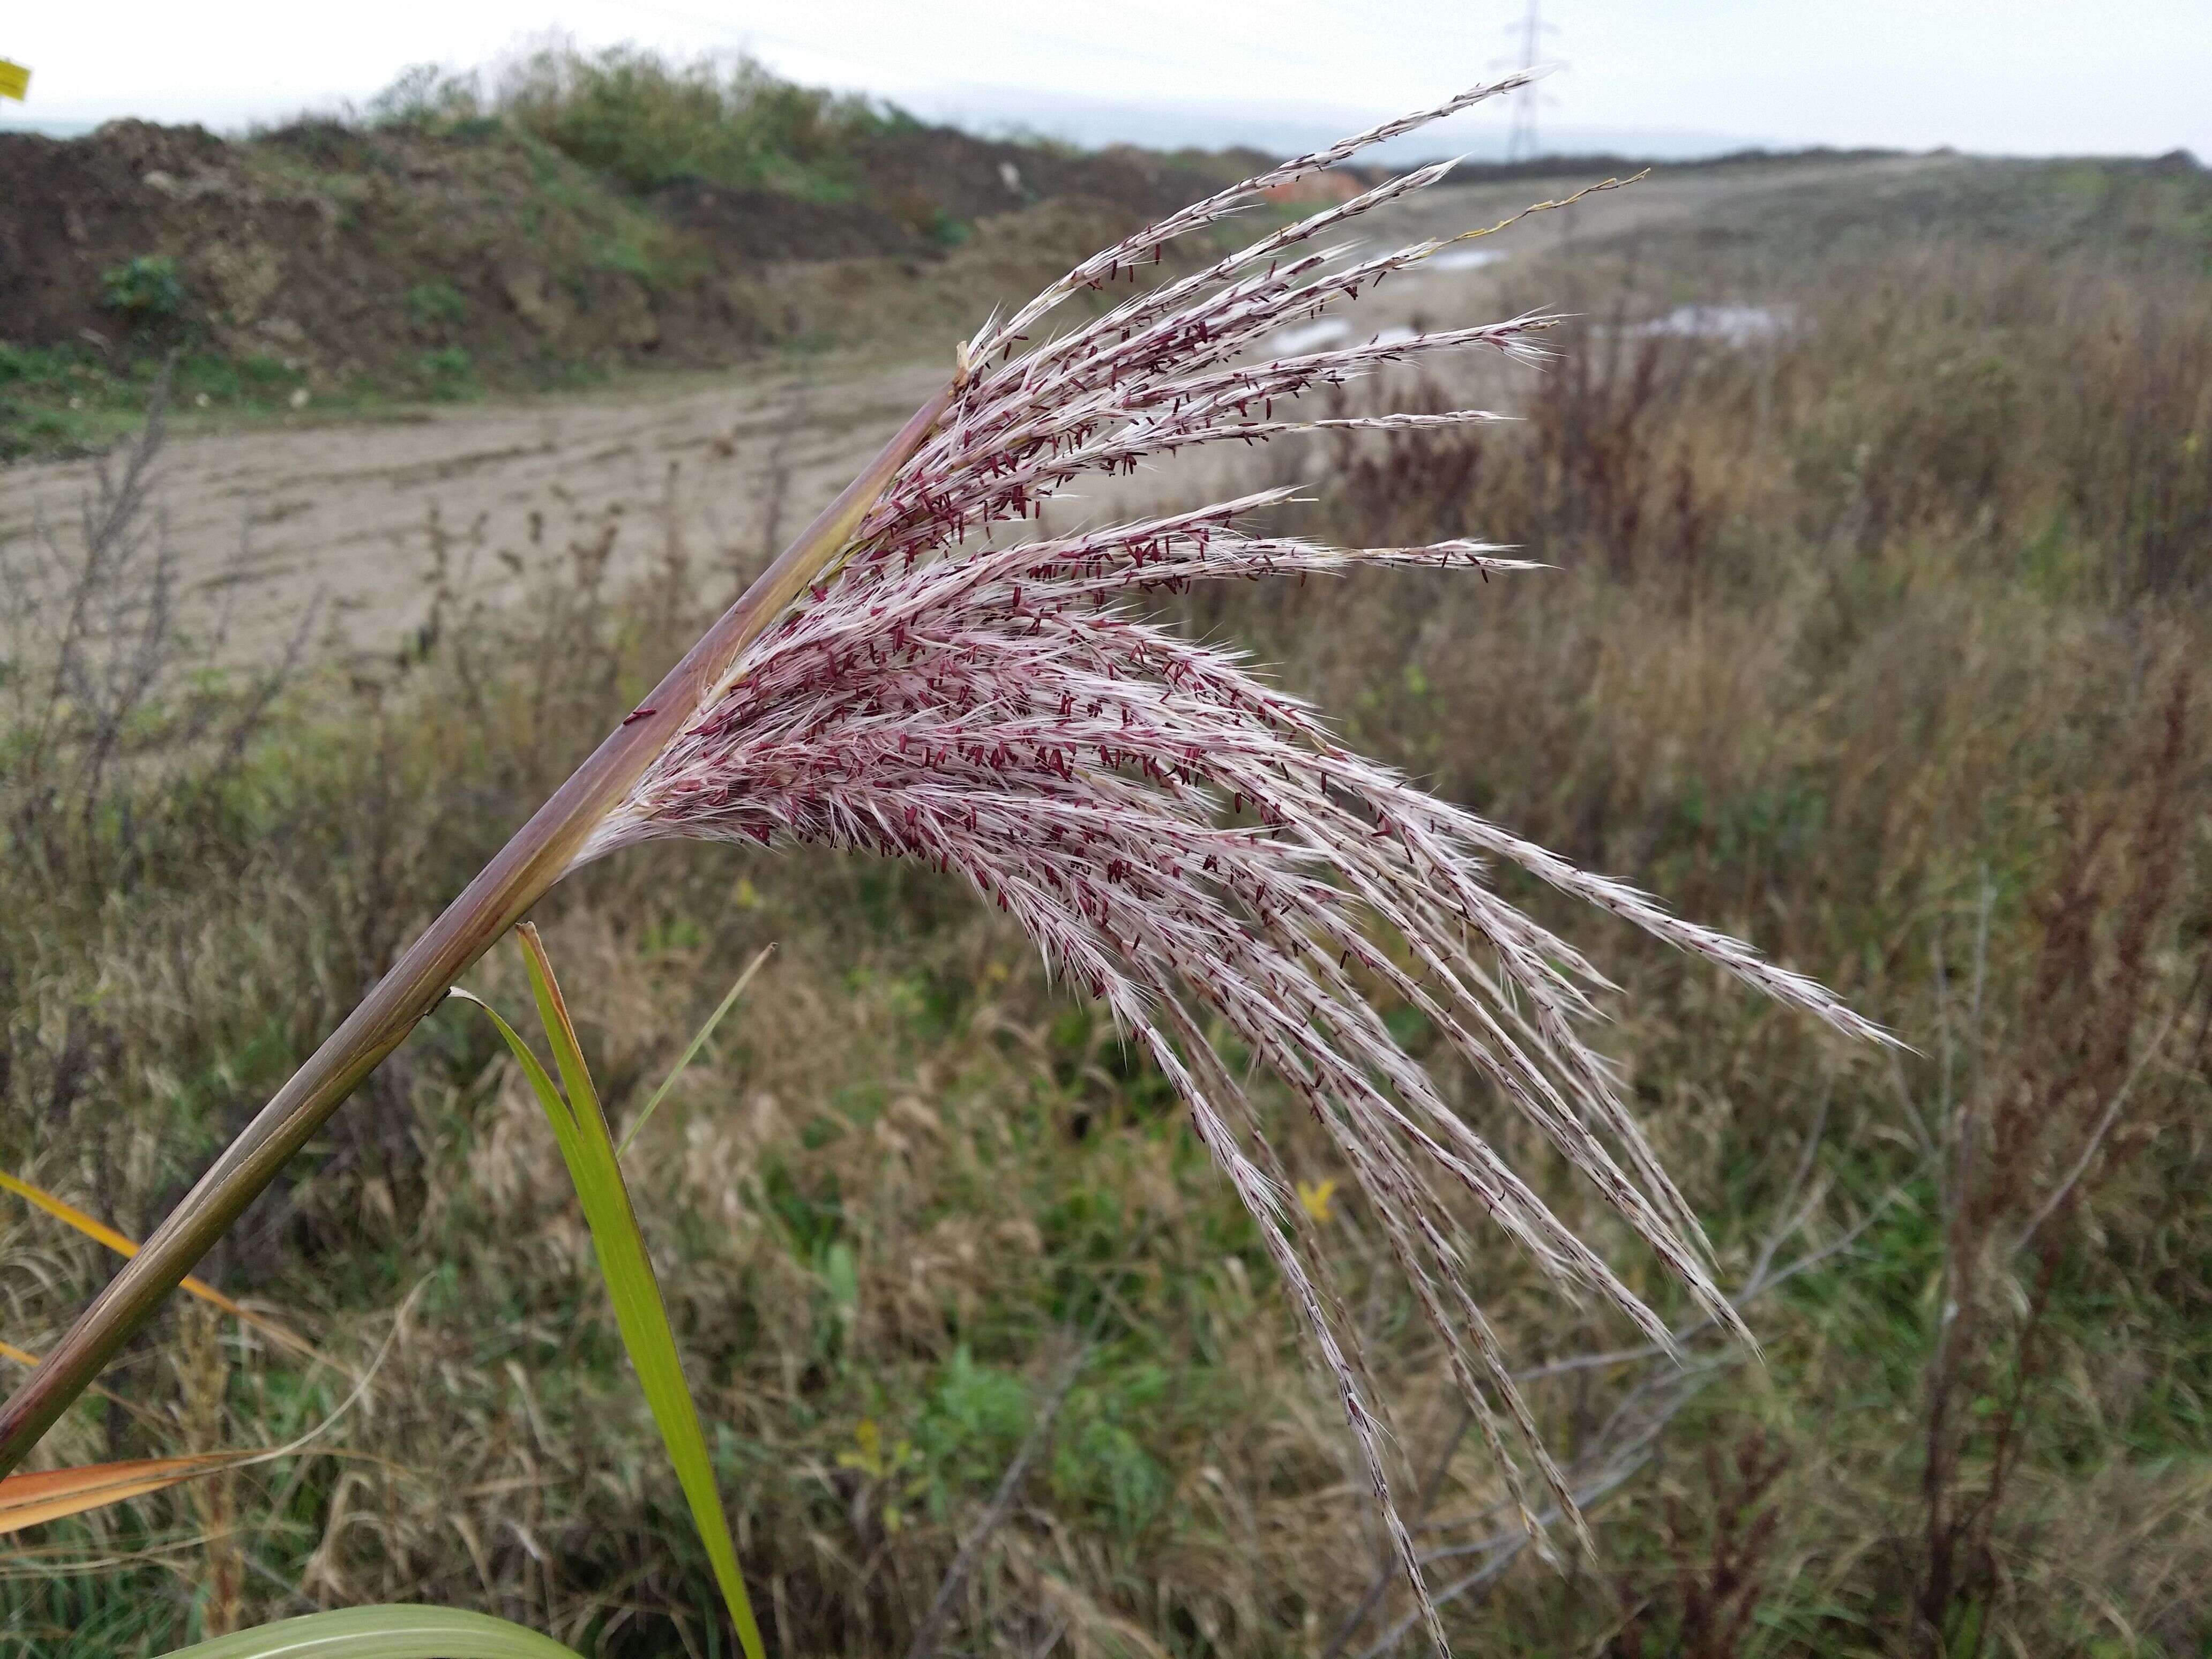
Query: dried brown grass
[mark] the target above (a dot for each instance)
(907, 1172)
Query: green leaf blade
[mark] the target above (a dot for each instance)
(399, 1631)
(641, 1312)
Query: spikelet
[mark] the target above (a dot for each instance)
(1178, 837)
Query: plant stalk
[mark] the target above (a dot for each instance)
(520, 874)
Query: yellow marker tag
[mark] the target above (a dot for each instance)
(14, 81)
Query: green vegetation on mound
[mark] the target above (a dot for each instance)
(646, 121)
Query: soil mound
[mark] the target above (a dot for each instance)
(408, 260)
(768, 226)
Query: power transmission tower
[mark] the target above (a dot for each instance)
(1521, 141)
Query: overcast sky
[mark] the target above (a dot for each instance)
(2033, 76)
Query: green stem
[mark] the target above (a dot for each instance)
(539, 854)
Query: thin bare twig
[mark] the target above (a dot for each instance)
(2105, 1122)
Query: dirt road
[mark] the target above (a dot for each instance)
(349, 519)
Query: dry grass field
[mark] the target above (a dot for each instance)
(1879, 498)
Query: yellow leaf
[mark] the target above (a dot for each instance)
(867, 1456)
(14, 81)
(1318, 1198)
(27, 1500)
(92, 1227)
(30, 1361)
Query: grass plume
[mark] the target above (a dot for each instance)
(1181, 840)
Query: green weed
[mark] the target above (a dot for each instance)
(144, 290)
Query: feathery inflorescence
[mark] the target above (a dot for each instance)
(1180, 838)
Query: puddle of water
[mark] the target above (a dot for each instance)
(1309, 336)
(1464, 259)
(1736, 325)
